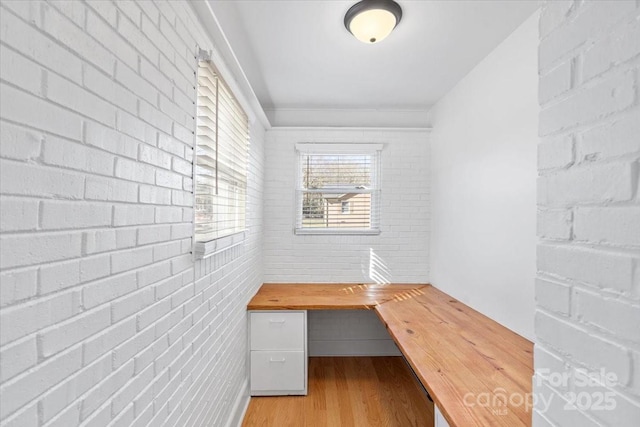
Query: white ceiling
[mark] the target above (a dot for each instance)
(297, 54)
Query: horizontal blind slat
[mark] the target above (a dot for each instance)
(222, 139)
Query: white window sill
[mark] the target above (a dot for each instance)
(206, 249)
(336, 231)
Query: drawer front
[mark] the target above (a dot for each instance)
(277, 331)
(277, 371)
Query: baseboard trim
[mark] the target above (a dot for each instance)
(353, 348)
(240, 406)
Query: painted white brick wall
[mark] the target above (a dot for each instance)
(105, 319)
(588, 287)
(400, 254)
(401, 249)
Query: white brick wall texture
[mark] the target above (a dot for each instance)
(105, 319)
(400, 254)
(588, 287)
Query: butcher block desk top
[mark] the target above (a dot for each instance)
(468, 363)
(328, 296)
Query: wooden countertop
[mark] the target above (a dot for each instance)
(328, 296)
(459, 355)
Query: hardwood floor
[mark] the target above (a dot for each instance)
(348, 392)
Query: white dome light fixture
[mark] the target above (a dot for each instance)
(371, 21)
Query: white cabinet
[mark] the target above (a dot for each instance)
(278, 330)
(439, 418)
(278, 352)
(277, 372)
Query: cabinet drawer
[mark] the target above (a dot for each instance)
(273, 371)
(278, 331)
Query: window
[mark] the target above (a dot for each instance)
(338, 188)
(222, 143)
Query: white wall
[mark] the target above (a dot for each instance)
(483, 175)
(588, 287)
(399, 254)
(105, 318)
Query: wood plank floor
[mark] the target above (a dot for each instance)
(348, 392)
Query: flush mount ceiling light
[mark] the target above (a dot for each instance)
(371, 21)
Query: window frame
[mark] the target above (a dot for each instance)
(372, 149)
(204, 249)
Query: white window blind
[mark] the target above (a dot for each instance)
(338, 189)
(222, 143)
